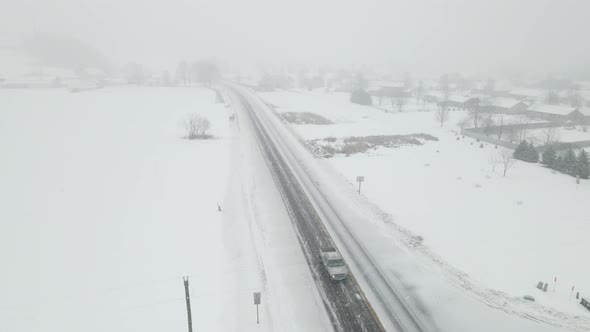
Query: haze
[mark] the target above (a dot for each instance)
(426, 36)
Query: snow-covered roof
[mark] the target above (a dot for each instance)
(584, 110)
(505, 102)
(552, 109)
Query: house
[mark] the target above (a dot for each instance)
(561, 113)
(387, 90)
(454, 102)
(505, 106)
(459, 103)
(384, 88)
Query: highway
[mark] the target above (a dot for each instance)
(346, 303)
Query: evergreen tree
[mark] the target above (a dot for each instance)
(549, 157)
(559, 164)
(583, 165)
(360, 96)
(569, 162)
(526, 151)
(532, 154)
(520, 150)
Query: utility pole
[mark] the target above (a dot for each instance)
(188, 304)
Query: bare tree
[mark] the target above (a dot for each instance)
(419, 91)
(442, 115)
(182, 72)
(520, 134)
(401, 101)
(494, 160)
(507, 160)
(445, 86)
(196, 126)
(464, 123)
(475, 115)
(513, 134)
(550, 135)
(499, 130)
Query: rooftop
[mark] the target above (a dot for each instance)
(552, 109)
(505, 102)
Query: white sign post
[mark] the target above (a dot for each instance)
(360, 179)
(257, 302)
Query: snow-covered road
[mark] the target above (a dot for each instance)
(310, 206)
(433, 297)
(263, 244)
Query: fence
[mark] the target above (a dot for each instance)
(520, 126)
(486, 138)
(479, 135)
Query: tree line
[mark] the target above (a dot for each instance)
(567, 162)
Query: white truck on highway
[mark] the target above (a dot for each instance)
(334, 264)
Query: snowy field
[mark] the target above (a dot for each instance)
(106, 207)
(505, 233)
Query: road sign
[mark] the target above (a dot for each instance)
(257, 302)
(360, 179)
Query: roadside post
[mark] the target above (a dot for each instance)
(257, 302)
(360, 179)
(188, 304)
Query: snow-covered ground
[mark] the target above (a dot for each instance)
(106, 207)
(560, 134)
(505, 233)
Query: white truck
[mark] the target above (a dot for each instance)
(333, 263)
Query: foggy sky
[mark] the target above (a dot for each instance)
(529, 36)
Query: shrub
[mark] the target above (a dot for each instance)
(196, 126)
(361, 97)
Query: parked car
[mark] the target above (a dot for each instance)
(333, 263)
